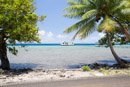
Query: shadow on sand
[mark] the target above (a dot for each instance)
(20, 68)
(23, 65)
(75, 66)
(98, 64)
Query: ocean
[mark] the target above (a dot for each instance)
(54, 56)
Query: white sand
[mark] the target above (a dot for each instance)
(41, 75)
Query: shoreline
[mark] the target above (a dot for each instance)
(28, 75)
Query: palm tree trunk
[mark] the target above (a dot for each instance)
(117, 58)
(5, 65)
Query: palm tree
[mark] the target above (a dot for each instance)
(106, 16)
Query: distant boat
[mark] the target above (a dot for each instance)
(67, 44)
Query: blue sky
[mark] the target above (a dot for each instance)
(51, 30)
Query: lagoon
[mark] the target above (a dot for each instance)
(63, 57)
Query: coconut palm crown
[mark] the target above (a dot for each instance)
(108, 16)
(113, 15)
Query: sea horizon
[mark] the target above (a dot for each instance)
(58, 44)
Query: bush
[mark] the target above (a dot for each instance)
(102, 70)
(86, 68)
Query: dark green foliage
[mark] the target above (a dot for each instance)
(18, 21)
(111, 15)
(116, 39)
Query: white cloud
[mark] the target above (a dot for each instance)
(46, 36)
(42, 32)
(51, 37)
(62, 36)
(50, 34)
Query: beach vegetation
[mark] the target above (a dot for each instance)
(18, 23)
(86, 68)
(111, 17)
(106, 71)
(102, 70)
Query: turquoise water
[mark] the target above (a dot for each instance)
(59, 57)
(54, 44)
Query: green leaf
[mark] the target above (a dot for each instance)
(89, 14)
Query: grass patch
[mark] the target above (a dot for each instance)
(86, 68)
(104, 71)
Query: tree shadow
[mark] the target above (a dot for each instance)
(96, 65)
(106, 62)
(99, 64)
(75, 66)
(19, 68)
(126, 58)
(23, 65)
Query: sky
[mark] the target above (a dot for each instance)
(51, 29)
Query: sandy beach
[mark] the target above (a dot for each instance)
(113, 81)
(23, 76)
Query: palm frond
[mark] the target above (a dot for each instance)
(72, 2)
(82, 5)
(87, 30)
(74, 15)
(88, 10)
(75, 8)
(89, 14)
(122, 4)
(76, 26)
(107, 25)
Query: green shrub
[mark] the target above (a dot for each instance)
(104, 71)
(86, 68)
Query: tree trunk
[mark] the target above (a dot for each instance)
(117, 58)
(5, 65)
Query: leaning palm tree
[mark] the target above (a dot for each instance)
(102, 15)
